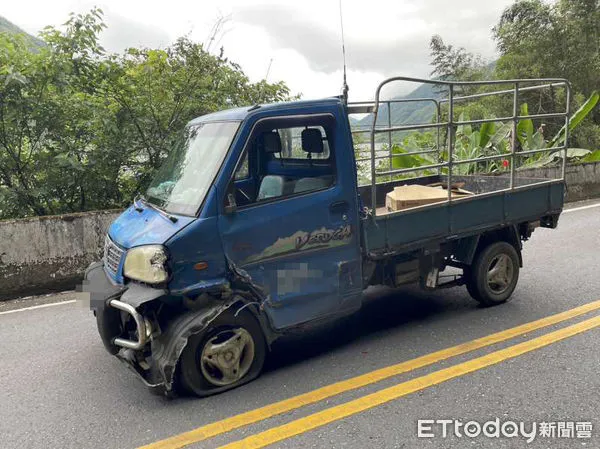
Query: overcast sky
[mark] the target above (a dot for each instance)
(301, 37)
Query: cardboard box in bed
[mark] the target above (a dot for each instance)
(404, 197)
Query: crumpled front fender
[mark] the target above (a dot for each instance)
(167, 348)
(207, 301)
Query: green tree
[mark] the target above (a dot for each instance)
(557, 40)
(453, 63)
(82, 130)
(45, 99)
(156, 92)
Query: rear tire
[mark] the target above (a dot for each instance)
(228, 353)
(493, 276)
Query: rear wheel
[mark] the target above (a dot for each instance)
(228, 353)
(493, 276)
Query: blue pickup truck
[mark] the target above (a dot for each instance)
(256, 225)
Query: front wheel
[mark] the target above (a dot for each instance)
(228, 353)
(493, 276)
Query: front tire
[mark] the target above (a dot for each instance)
(493, 276)
(228, 353)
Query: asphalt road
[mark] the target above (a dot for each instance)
(60, 389)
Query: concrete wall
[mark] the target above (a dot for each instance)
(583, 180)
(44, 254)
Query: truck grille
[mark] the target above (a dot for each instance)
(112, 255)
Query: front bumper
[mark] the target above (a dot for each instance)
(140, 324)
(108, 300)
(151, 352)
(100, 292)
(112, 304)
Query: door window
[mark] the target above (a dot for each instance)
(292, 159)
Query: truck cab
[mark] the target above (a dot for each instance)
(256, 225)
(261, 199)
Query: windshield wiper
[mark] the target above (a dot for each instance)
(156, 208)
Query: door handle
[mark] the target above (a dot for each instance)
(339, 207)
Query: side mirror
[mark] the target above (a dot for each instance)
(230, 204)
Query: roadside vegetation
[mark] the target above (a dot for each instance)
(535, 39)
(82, 129)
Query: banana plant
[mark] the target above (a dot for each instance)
(592, 157)
(402, 156)
(525, 130)
(536, 141)
(576, 119)
(489, 140)
(494, 139)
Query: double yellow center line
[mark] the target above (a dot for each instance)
(372, 400)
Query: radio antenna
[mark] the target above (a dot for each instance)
(345, 87)
(268, 69)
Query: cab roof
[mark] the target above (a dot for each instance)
(239, 114)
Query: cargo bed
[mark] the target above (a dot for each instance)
(494, 205)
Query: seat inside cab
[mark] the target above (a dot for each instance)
(285, 176)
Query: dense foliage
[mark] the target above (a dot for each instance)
(562, 39)
(537, 39)
(81, 129)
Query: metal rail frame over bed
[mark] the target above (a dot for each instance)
(518, 86)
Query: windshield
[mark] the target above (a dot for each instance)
(184, 179)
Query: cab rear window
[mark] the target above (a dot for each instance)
(291, 144)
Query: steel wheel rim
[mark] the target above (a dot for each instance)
(500, 273)
(227, 357)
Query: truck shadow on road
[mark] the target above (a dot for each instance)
(385, 312)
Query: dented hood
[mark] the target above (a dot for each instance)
(145, 227)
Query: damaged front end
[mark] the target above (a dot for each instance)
(148, 329)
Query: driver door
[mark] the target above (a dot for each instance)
(297, 236)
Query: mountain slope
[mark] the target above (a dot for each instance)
(406, 113)
(7, 26)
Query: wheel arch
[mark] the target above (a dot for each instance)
(509, 234)
(467, 248)
(167, 348)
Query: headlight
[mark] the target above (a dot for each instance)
(146, 264)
